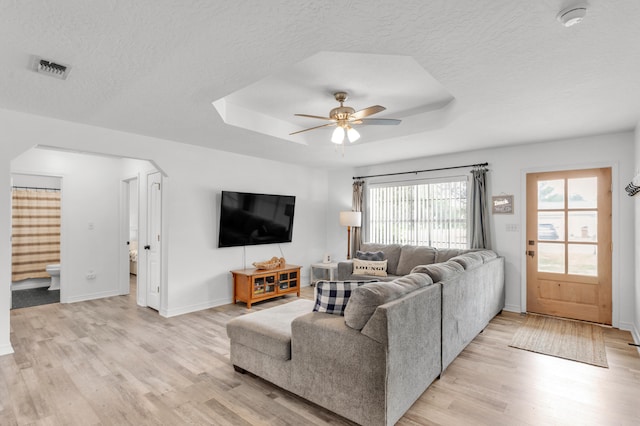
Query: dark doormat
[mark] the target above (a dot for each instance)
(34, 297)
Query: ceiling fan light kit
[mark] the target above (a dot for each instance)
(345, 117)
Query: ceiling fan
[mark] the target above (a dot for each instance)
(344, 118)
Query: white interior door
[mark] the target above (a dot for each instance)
(154, 240)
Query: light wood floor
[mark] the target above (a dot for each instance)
(110, 362)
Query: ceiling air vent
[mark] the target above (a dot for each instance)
(52, 69)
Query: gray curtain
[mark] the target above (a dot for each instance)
(357, 205)
(479, 210)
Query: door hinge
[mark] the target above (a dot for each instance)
(158, 237)
(158, 291)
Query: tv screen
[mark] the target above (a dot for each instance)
(250, 219)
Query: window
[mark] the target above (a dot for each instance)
(427, 213)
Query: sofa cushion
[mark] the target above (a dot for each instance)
(412, 256)
(370, 255)
(370, 267)
(445, 254)
(332, 296)
(364, 277)
(468, 260)
(269, 331)
(366, 299)
(486, 255)
(439, 271)
(391, 254)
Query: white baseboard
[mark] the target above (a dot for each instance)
(92, 296)
(6, 349)
(512, 308)
(194, 308)
(627, 326)
(31, 283)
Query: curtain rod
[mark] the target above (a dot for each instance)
(421, 171)
(35, 187)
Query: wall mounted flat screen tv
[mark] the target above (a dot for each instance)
(250, 219)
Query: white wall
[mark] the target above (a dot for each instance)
(340, 184)
(197, 271)
(507, 171)
(36, 181)
(133, 212)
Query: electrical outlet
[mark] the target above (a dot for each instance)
(91, 275)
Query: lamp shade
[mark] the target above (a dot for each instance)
(350, 218)
(353, 134)
(338, 135)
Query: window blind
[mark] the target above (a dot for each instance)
(428, 213)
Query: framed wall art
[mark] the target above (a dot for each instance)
(502, 204)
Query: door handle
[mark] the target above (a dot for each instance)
(531, 253)
(147, 247)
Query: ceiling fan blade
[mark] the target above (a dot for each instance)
(387, 121)
(314, 116)
(312, 128)
(367, 111)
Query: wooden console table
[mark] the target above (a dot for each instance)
(254, 285)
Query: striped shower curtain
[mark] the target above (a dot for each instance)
(35, 237)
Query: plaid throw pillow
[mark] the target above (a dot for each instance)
(332, 296)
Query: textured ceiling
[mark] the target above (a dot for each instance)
(153, 67)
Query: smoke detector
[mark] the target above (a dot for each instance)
(572, 15)
(51, 68)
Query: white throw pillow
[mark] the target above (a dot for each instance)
(377, 268)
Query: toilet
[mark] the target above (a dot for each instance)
(54, 271)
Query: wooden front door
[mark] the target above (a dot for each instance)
(569, 244)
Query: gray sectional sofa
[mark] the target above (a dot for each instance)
(394, 339)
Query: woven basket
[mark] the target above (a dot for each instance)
(272, 263)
